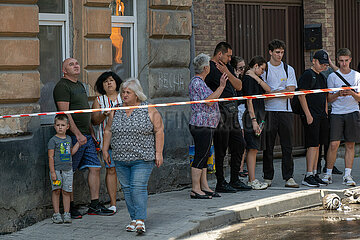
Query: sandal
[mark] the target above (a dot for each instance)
(212, 194)
(131, 228)
(198, 196)
(140, 227)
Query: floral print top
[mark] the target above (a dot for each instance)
(202, 115)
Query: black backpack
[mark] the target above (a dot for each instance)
(295, 102)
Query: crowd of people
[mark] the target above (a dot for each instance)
(130, 142)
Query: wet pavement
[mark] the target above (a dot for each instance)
(174, 215)
(313, 223)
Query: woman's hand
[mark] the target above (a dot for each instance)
(106, 157)
(252, 74)
(256, 127)
(309, 119)
(223, 80)
(158, 159)
(106, 113)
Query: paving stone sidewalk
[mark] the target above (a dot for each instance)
(173, 214)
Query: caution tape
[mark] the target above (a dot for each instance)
(262, 96)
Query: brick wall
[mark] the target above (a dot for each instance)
(321, 11)
(209, 20)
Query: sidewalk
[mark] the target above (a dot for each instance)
(174, 215)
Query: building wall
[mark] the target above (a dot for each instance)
(209, 20)
(321, 11)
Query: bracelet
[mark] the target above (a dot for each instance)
(253, 118)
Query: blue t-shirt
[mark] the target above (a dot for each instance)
(62, 152)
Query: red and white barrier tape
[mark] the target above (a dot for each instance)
(268, 95)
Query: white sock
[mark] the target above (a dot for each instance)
(347, 172)
(328, 171)
(309, 174)
(315, 172)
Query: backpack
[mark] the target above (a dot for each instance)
(295, 102)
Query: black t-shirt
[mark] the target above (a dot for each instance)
(213, 80)
(251, 87)
(316, 101)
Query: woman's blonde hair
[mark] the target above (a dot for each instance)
(134, 85)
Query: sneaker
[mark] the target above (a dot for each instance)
(100, 209)
(224, 187)
(112, 208)
(310, 181)
(75, 214)
(56, 218)
(268, 182)
(347, 180)
(240, 186)
(319, 181)
(327, 179)
(336, 171)
(257, 185)
(67, 217)
(291, 183)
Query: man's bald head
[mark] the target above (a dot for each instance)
(71, 68)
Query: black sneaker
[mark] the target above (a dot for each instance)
(310, 181)
(75, 214)
(240, 186)
(224, 187)
(319, 181)
(336, 171)
(100, 209)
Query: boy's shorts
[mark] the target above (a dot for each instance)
(66, 178)
(345, 127)
(112, 163)
(86, 156)
(317, 132)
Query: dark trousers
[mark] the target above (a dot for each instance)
(202, 139)
(228, 134)
(278, 123)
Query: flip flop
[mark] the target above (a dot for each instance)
(212, 194)
(198, 196)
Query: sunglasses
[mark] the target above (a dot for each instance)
(240, 68)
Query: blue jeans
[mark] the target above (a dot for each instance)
(133, 177)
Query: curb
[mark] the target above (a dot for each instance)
(270, 206)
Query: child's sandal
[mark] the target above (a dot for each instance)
(131, 228)
(140, 227)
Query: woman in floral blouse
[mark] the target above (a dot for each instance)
(204, 119)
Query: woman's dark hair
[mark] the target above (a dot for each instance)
(99, 82)
(235, 60)
(259, 60)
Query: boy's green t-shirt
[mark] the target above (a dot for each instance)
(74, 93)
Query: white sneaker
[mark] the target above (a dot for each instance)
(113, 208)
(291, 183)
(327, 179)
(257, 185)
(268, 182)
(347, 180)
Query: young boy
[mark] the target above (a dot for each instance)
(60, 151)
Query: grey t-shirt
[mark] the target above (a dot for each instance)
(62, 152)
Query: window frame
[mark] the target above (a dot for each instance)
(129, 22)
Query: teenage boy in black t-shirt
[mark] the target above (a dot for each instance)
(314, 117)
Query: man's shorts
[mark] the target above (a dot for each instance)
(66, 178)
(86, 156)
(112, 163)
(317, 132)
(345, 127)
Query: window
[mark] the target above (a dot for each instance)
(124, 38)
(54, 48)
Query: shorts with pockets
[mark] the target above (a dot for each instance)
(86, 156)
(345, 127)
(66, 178)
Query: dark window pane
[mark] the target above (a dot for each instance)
(120, 38)
(51, 6)
(50, 64)
(122, 8)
